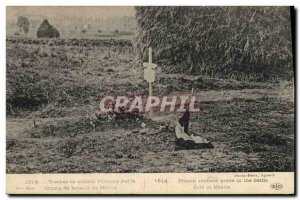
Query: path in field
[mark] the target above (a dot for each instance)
(15, 126)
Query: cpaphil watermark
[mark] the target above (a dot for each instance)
(143, 104)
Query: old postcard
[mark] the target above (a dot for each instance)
(150, 100)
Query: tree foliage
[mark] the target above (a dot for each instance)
(23, 24)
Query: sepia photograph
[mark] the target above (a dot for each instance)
(150, 89)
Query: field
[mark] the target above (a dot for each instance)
(53, 92)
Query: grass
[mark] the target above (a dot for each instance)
(244, 43)
(30, 86)
(251, 124)
(263, 126)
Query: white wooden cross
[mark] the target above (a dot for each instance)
(149, 75)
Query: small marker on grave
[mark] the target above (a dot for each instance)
(149, 75)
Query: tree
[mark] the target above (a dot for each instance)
(23, 24)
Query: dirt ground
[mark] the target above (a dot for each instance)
(250, 124)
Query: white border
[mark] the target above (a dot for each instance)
(5, 3)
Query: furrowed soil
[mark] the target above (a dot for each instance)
(53, 92)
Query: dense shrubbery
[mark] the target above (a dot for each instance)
(230, 42)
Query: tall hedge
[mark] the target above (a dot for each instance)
(230, 42)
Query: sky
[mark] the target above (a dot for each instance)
(103, 12)
(67, 18)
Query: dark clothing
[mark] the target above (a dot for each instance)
(184, 121)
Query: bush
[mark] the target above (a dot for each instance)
(228, 42)
(116, 32)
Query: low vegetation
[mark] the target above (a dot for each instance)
(244, 43)
(53, 91)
